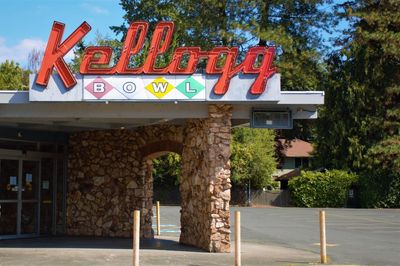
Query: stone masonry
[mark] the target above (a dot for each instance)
(110, 177)
(205, 185)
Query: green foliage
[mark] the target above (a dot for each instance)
(363, 93)
(75, 63)
(359, 125)
(252, 159)
(380, 180)
(12, 77)
(166, 170)
(317, 189)
(100, 40)
(291, 25)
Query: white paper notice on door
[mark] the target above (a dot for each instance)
(13, 180)
(28, 178)
(45, 184)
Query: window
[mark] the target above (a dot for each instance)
(297, 162)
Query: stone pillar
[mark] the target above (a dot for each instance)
(146, 229)
(205, 185)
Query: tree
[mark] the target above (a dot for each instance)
(166, 170)
(35, 58)
(292, 26)
(12, 77)
(253, 157)
(360, 123)
(100, 40)
(380, 179)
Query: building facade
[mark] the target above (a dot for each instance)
(76, 151)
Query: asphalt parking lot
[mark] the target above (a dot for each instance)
(270, 236)
(354, 236)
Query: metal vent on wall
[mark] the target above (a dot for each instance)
(271, 119)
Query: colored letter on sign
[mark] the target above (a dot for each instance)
(98, 87)
(188, 89)
(55, 51)
(160, 86)
(99, 60)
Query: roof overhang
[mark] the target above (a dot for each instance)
(58, 109)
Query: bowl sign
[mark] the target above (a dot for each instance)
(149, 87)
(96, 62)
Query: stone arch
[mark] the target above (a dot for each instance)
(108, 178)
(158, 148)
(149, 152)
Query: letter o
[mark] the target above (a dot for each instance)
(129, 87)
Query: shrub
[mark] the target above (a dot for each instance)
(321, 189)
(380, 180)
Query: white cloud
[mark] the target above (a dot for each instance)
(19, 52)
(69, 56)
(95, 9)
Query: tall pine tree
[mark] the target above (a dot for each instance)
(360, 124)
(292, 26)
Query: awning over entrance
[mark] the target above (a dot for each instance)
(18, 112)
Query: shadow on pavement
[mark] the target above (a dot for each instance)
(96, 243)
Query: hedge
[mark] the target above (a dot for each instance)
(321, 189)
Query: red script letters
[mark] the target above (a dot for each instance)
(96, 59)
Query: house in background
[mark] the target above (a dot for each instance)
(293, 155)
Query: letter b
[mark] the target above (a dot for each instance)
(98, 87)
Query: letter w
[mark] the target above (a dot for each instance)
(160, 86)
(55, 51)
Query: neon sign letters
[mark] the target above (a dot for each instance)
(96, 59)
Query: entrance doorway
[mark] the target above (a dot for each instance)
(32, 194)
(19, 197)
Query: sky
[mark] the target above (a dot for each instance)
(25, 24)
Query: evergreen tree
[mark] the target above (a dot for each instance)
(290, 25)
(360, 122)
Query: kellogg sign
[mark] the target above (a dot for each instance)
(177, 80)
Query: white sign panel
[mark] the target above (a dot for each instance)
(154, 88)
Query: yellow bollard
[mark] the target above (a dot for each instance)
(238, 247)
(322, 234)
(136, 237)
(158, 218)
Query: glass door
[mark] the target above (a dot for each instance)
(32, 189)
(47, 195)
(9, 188)
(19, 201)
(30, 197)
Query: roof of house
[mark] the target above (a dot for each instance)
(285, 174)
(295, 148)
